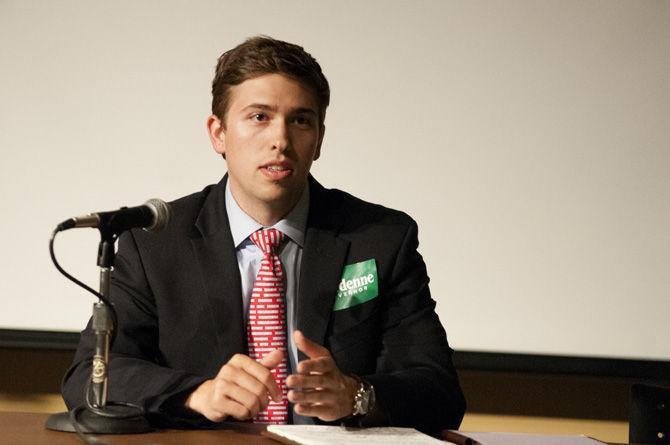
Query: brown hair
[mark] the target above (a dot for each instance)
(264, 55)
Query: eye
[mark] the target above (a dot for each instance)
(303, 121)
(259, 117)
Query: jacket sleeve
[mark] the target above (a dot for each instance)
(135, 371)
(416, 384)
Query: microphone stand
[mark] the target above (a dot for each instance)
(102, 326)
(99, 415)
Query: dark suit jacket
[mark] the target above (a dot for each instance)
(180, 316)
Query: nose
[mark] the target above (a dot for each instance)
(280, 136)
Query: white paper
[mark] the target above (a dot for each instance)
(329, 435)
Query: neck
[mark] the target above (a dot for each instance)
(267, 213)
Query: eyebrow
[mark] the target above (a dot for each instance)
(300, 110)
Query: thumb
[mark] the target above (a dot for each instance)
(272, 359)
(311, 349)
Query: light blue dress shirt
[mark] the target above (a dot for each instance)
(249, 256)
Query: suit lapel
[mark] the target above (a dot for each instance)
(323, 259)
(217, 263)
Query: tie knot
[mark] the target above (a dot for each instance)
(268, 240)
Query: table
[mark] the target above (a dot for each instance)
(28, 428)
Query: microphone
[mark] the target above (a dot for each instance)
(153, 215)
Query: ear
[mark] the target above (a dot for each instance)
(317, 152)
(216, 134)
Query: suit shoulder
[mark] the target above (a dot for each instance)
(359, 211)
(183, 213)
(188, 207)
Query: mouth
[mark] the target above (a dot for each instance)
(277, 170)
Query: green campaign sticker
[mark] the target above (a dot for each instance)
(358, 285)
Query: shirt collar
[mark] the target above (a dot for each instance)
(292, 225)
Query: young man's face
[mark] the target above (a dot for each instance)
(270, 137)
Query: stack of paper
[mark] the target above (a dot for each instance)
(329, 435)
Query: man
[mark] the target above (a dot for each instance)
(268, 297)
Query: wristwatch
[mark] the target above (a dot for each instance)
(364, 399)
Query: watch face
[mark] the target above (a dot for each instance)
(362, 400)
(365, 402)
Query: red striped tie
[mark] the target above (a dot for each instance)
(266, 329)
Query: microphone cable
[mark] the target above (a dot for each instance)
(76, 281)
(85, 437)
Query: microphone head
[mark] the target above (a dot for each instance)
(161, 211)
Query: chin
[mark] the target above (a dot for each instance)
(274, 195)
(277, 191)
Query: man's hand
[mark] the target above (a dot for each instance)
(240, 389)
(320, 389)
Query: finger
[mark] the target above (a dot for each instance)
(272, 359)
(323, 412)
(307, 382)
(225, 392)
(319, 365)
(241, 378)
(322, 397)
(311, 349)
(259, 372)
(235, 409)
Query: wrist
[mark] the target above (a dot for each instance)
(194, 401)
(352, 388)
